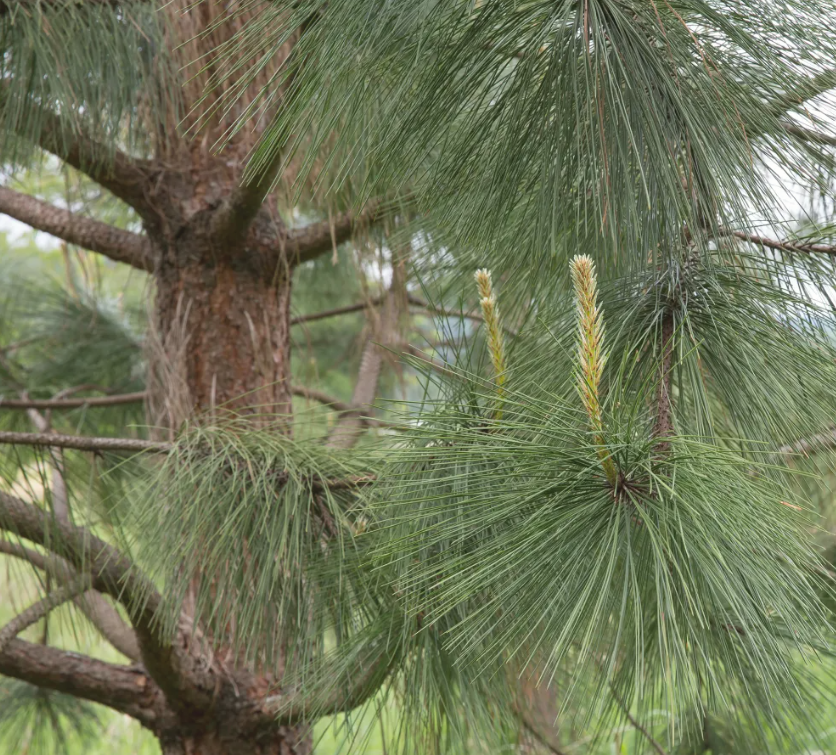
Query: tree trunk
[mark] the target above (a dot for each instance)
(221, 342)
(283, 742)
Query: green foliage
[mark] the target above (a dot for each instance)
(532, 131)
(255, 514)
(99, 67)
(36, 721)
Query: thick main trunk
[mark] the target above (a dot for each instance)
(221, 342)
(282, 742)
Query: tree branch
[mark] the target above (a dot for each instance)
(433, 364)
(93, 605)
(536, 734)
(416, 301)
(825, 441)
(350, 425)
(127, 689)
(310, 241)
(123, 176)
(129, 398)
(337, 311)
(636, 725)
(6, 6)
(791, 247)
(73, 403)
(41, 608)
(101, 614)
(810, 89)
(118, 245)
(82, 443)
(809, 135)
(110, 571)
(337, 405)
(372, 665)
(323, 398)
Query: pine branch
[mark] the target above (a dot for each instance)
(825, 441)
(428, 361)
(130, 398)
(41, 608)
(115, 445)
(811, 88)
(92, 604)
(541, 738)
(82, 443)
(104, 617)
(127, 689)
(337, 311)
(6, 6)
(73, 403)
(371, 667)
(123, 176)
(414, 301)
(111, 572)
(350, 425)
(792, 247)
(336, 405)
(636, 725)
(809, 135)
(115, 243)
(309, 242)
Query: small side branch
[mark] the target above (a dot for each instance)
(73, 403)
(810, 89)
(369, 671)
(38, 610)
(337, 311)
(825, 441)
(114, 243)
(809, 135)
(426, 360)
(637, 725)
(791, 247)
(6, 6)
(81, 443)
(337, 405)
(101, 614)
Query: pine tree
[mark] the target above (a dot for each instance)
(597, 503)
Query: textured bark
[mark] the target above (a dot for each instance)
(118, 245)
(128, 689)
(220, 344)
(224, 336)
(287, 741)
(663, 407)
